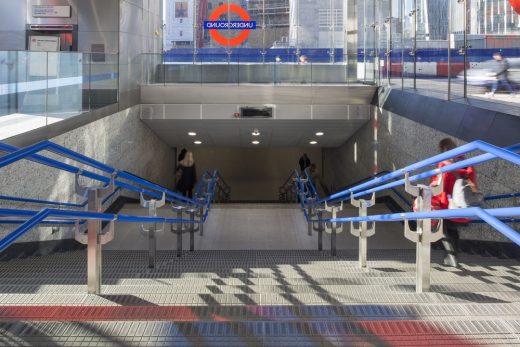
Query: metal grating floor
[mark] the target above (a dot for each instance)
(259, 298)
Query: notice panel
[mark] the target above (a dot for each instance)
(47, 11)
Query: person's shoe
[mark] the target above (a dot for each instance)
(489, 95)
(451, 260)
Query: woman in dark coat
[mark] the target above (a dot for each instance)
(186, 175)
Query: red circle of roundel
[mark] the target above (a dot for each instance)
(516, 5)
(233, 41)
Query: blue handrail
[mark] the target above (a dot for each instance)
(378, 184)
(29, 152)
(502, 196)
(54, 203)
(29, 219)
(37, 217)
(489, 216)
(493, 152)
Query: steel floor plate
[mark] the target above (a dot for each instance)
(259, 298)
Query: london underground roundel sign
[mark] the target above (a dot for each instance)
(244, 26)
(516, 5)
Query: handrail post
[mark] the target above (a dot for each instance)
(334, 228)
(423, 236)
(178, 229)
(191, 213)
(320, 230)
(152, 205)
(363, 232)
(201, 216)
(93, 244)
(94, 237)
(310, 214)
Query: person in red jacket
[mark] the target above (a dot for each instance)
(441, 201)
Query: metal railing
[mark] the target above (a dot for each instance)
(110, 182)
(427, 232)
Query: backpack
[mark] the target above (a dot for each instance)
(463, 196)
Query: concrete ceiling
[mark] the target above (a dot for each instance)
(299, 111)
(237, 132)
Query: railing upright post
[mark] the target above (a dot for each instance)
(94, 239)
(152, 205)
(310, 214)
(334, 228)
(201, 216)
(192, 212)
(423, 236)
(363, 232)
(94, 244)
(178, 229)
(320, 230)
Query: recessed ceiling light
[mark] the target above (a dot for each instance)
(198, 142)
(255, 133)
(191, 133)
(320, 133)
(313, 142)
(255, 142)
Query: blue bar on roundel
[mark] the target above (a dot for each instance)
(229, 25)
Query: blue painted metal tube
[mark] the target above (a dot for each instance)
(213, 190)
(502, 196)
(503, 228)
(476, 145)
(85, 215)
(427, 174)
(470, 212)
(24, 228)
(489, 216)
(22, 153)
(46, 222)
(29, 152)
(502, 220)
(311, 184)
(36, 201)
(56, 164)
(130, 177)
(199, 184)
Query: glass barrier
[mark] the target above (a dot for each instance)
(41, 88)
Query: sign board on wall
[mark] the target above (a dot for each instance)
(48, 11)
(44, 43)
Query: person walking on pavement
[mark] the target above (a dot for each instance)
(500, 71)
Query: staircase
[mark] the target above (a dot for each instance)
(258, 298)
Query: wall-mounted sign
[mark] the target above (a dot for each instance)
(47, 11)
(44, 43)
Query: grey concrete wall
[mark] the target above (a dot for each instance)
(120, 140)
(391, 142)
(254, 174)
(139, 20)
